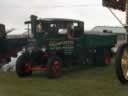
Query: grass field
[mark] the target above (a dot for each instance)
(100, 81)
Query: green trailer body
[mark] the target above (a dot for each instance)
(97, 40)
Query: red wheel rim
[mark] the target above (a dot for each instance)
(28, 66)
(56, 68)
(107, 59)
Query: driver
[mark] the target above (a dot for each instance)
(39, 28)
(70, 32)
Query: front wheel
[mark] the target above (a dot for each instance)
(23, 66)
(122, 63)
(54, 67)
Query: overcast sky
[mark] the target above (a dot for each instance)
(13, 13)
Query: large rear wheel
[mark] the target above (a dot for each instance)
(122, 63)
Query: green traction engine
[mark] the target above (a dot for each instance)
(62, 43)
(121, 60)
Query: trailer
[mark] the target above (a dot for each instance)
(9, 46)
(62, 43)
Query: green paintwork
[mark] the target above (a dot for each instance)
(60, 42)
(74, 39)
(93, 41)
